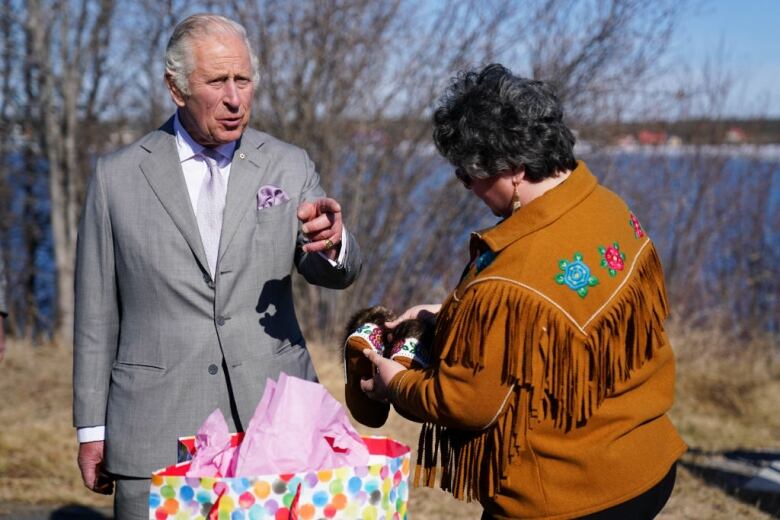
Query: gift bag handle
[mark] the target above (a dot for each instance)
(294, 503)
(214, 511)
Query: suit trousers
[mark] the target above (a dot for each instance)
(131, 498)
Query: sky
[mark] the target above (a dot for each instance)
(750, 37)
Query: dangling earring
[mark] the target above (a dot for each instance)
(516, 204)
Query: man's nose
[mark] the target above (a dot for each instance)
(231, 98)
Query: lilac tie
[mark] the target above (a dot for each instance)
(211, 203)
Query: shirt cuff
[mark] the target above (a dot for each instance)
(339, 261)
(91, 434)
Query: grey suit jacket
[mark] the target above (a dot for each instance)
(152, 328)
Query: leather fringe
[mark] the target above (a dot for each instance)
(558, 373)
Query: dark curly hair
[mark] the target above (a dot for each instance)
(492, 121)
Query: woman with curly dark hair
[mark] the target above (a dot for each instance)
(551, 373)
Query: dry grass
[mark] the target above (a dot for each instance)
(37, 442)
(723, 402)
(727, 394)
(726, 399)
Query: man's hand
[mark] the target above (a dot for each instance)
(322, 225)
(90, 461)
(425, 312)
(2, 338)
(386, 369)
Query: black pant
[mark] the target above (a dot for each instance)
(643, 507)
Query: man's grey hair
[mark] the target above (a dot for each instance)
(179, 62)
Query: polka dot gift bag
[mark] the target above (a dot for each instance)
(232, 484)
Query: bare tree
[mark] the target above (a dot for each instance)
(149, 25)
(350, 81)
(8, 58)
(599, 52)
(354, 82)
(67, 46)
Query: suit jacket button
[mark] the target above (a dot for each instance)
(213, 369)
(220, 321)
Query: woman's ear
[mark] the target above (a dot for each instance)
(518, 175)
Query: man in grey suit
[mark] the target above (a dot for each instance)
(183, 274)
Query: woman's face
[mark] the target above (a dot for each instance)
(496, 192)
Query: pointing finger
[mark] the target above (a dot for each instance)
(306, 211)
(328, 205)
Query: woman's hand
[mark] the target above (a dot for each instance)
(386, 369)
(424, 312)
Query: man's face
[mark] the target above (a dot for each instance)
(219, 104)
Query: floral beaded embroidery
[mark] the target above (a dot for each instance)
(612, 258)
(634, 223)
(410, 348)
(576, 275)
(371, 333)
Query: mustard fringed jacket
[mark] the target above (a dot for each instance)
(554, 373)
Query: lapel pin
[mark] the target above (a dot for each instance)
(242, 155)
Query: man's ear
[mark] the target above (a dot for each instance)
(176, 94)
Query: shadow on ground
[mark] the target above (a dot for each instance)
(750, 476)
(71, 512)
(82, 513)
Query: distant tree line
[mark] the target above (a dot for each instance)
(696, 131)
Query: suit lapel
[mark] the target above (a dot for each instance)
(246, 173)
(163, 172)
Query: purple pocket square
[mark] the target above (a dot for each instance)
(269, 196)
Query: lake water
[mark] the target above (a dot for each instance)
(713, 212)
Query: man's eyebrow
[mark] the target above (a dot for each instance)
(226, 76)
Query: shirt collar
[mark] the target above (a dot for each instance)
(540, 212)
(188, 147)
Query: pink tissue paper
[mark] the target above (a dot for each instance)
(297, 426)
